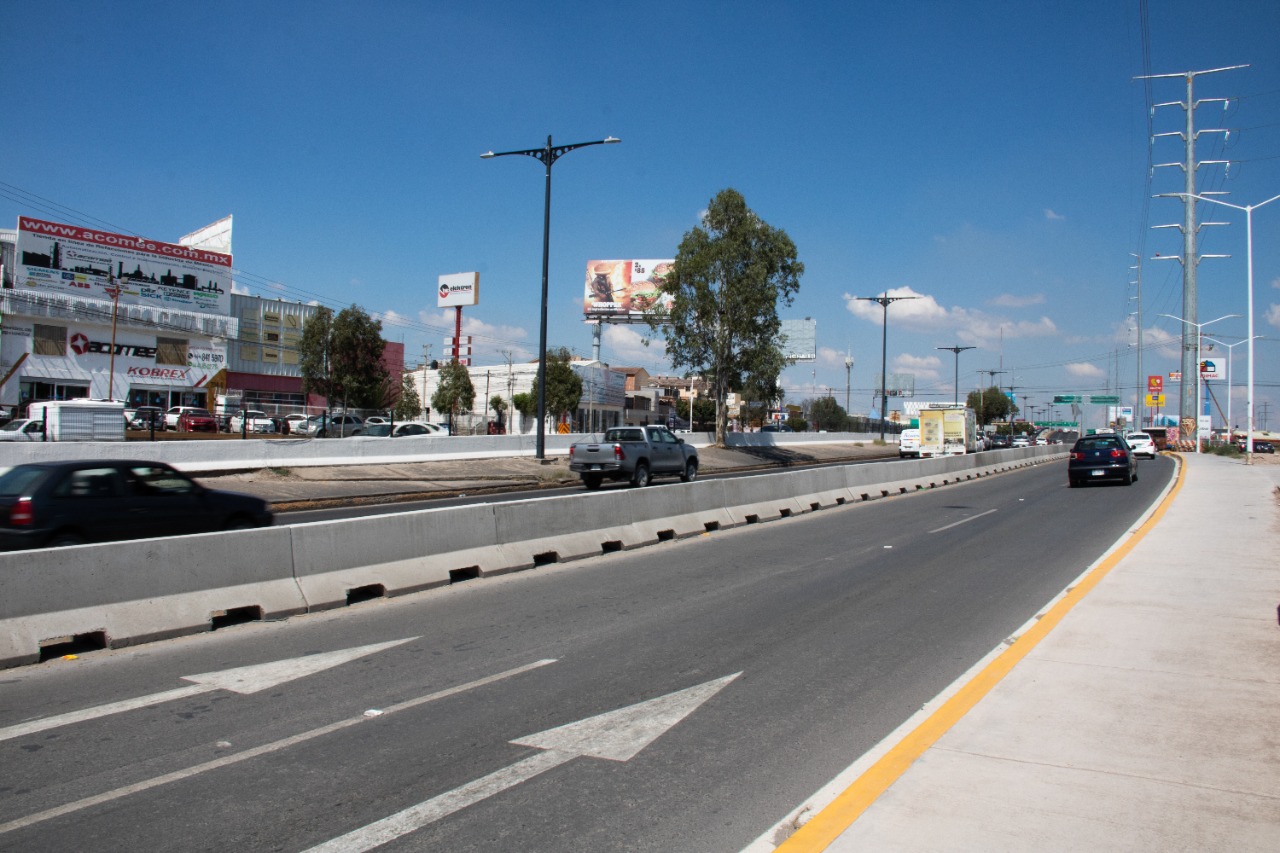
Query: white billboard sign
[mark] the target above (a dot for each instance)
(458, 289)
(1213, 368)
(83, 261)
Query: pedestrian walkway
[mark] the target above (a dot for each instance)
(1145, 715)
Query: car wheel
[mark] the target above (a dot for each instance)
(640, 478)
(690, 472)
(1073, 483)
(1128, 479)
(65, 539)
(592, 481)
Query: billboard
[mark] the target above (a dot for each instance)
(800, 340)
(460, 288)
(624, 291)
(1212, 368)
(81, 261)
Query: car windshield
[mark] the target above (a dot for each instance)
(13, 426)
(21, 479)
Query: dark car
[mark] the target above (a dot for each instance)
(777, 427)
(397, 431)
(197, 420)
(1001, 442)
(50, 504)
(1101, 457)
(148, 417)
(1260, 446)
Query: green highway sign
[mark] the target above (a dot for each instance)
(1056, 423)
(1104, 399)
(1067, 398)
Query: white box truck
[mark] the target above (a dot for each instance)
(948, 430)
(80, 420)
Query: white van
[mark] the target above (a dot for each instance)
(909, 443)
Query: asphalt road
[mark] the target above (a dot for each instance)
(805, 642)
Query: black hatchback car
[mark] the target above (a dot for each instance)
(50, 504)
(1101, 457)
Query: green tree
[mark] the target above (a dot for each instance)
(728, 278)
(454, 393)
(499, 407)
(827, 414)
(704, 411)
(341, 357)
(990, 404)
(408, 405)
(564, 387)
(355, 365)
(526, 404)
(315, 352)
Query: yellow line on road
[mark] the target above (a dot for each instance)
(826, 826)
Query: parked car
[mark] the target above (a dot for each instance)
(1101, 457)
(197, 420)
(376, 419)
(50, 504)
(258, 422)
(408, 428)
(1141, 444)
(322, 426)
(294, 420)
(1260, 446)
(146, 417)
(776, 427)
(23, 429)
(171, 416)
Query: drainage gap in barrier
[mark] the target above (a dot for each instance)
(470, 573)
(815, 506)
(76, 644)
(366, 593)
(234, 616)
(611, 547)
(711, 526)
(753, 519)
(839, 501)
(784, 512)
(866, 496)
(545, 559)
(666, 535)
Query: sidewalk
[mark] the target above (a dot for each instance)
(1148, 718)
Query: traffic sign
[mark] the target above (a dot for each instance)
(1156, 400)
(1104, 399)
(1066, 398)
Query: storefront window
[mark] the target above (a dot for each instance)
(49, 340)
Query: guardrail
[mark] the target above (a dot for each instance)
(124, 593)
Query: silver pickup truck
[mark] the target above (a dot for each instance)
(633, 453)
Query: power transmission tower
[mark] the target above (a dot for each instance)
(1187, 414)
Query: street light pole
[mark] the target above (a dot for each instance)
(1199, 334)
(884, 300)
(848, 374)
(547, 155)
(113, 289)
(1231, 357)
(957, 350)
(1248, 218)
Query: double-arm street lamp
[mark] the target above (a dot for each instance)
(957, 350)
(1248, 218)
(885, 301)
(547, 155)
(1199, 334)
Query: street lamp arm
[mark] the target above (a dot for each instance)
(549, 153)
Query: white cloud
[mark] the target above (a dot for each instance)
(828, 357)
(1010, 300)
(922, 313)
(624, 346)
(1273, 315)
(237, 287)
(1082, 370)
(1054, 217)
(925, 369)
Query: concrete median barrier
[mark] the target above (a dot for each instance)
(123, 593)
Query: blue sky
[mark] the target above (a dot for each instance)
(991, 158)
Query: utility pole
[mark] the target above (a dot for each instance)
(426, 362)
(957, 350)
(1138, 411)
(884, 301)
(1187, 415)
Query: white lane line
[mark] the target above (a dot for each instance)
(962, 521)
(617, 735)
(242, 679)
(274, 746)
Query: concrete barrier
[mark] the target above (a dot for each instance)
(131, 592)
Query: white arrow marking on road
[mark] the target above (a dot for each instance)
(615, 735)
(244, 679)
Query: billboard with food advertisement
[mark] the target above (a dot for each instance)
(85, 261)
(624, 291)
